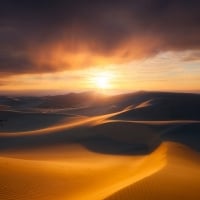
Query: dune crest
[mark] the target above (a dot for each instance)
(178, 179)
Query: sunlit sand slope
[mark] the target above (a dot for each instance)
(179, 179)
(82, 175)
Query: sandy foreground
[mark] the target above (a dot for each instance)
(76, 173)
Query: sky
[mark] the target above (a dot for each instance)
(114, 46)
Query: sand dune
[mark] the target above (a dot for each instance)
(85, 175)
(172, 170)
(16, 121)
(163, 106)
(140, 150)
(178, 179)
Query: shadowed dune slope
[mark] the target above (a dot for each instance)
(16, 121)
(165, 106)
(96, 133)
(100, 134)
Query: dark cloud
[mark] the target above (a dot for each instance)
(42, 36)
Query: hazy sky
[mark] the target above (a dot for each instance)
(62, 46)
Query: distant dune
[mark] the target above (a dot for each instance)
(142, 145)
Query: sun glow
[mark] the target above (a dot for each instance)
(102, 80)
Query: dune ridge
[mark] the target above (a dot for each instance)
(178, 179)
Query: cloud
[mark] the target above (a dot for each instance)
(191, 56)
(46, 36)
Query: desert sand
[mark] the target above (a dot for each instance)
(123, 147)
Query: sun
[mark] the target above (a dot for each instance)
(102, 80)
